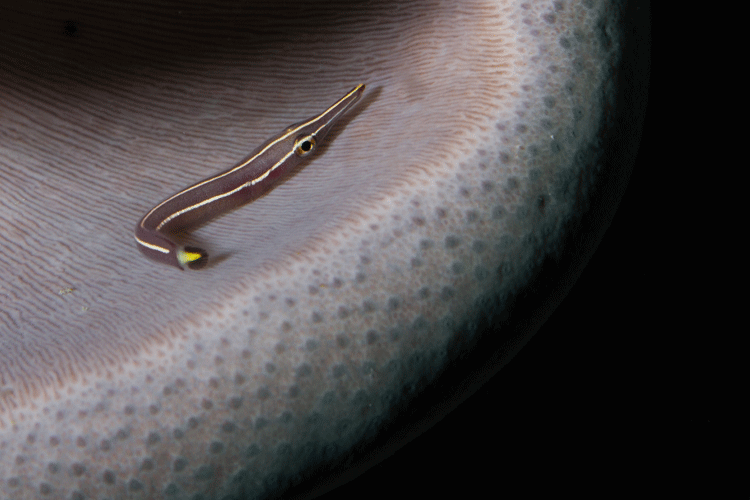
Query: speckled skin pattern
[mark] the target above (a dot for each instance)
(120, 378)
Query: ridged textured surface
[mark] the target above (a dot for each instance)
(120, 378)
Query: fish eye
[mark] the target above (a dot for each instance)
(304, 145)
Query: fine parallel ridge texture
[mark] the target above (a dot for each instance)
(328, 300)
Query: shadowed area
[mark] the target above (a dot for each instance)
(351, 281)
